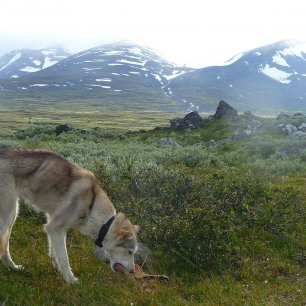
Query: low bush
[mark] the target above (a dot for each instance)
(198, 216)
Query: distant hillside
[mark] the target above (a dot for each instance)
(270, 78)
(114, 72)
(266, 80)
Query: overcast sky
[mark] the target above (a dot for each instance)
(197, 33)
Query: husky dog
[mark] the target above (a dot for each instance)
(71, 198)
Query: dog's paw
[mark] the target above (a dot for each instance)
(13, 266)
(17, 267)
(73, 280)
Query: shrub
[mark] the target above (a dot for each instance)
(200, 216)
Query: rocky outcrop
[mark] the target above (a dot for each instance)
(226, 111)
(302, 127)
(191, 120)
(291, 130)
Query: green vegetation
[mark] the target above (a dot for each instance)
(223, 219)
(17, 110)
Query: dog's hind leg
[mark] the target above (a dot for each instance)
(58, 251)
(5, 233)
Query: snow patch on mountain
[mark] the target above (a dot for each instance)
(29, 69)
(48, 62)
(103, 80)
(11, 61)
(278, 59)
(276, 74)
(298, 50)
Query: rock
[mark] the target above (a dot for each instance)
(61, 128)
(215, 144)
(241, 133)
(177, 122)
(248, 115)
(226, 111)
(166, 142)
(287, 129)
(302, 127)
(282, 116)
(299, 134)
(191, 121)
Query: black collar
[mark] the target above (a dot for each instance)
(103, 231)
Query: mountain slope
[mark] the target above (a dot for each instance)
(19, 63)
(269, 78)
(114, 72)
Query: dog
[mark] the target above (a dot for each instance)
(71, 199)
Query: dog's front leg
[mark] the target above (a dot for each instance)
(52, 253)
(58, 252)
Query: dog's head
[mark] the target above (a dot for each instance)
(120, 243)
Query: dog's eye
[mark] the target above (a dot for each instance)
(130, 252)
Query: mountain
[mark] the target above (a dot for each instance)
(19, 63)
(114, 72)
(267, 79)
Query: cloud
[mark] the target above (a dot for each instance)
(194, 32)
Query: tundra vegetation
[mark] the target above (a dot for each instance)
(221, 207)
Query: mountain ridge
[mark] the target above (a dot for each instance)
(261, 80)
(268, 77)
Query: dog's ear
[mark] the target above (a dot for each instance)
(124, 234)
(137, 228)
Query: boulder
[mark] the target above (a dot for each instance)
(177, 122)
(287, 129)
(226, 111)
(282, 116)
(298, 134)
(61, 128)
(191, 120)
(248, 115)
(302, 127)
(166, 142)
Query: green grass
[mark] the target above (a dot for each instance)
(128, 112)
(226, 224)
(265, 282)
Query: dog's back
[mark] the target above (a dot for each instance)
(42, 164)
(39, 175)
